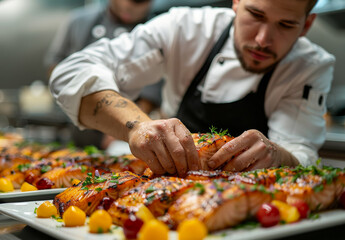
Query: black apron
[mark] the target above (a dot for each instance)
(239, 116)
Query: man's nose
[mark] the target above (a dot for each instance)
(264, 37)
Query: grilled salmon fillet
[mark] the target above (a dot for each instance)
(9, 162)
(207, 144)
(63, 177)
(126, 162)
(88, 194)
(157, 195)
(218, 204)
(318, 187)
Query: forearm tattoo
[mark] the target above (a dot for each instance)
(115, 100)
(130, 124)
(121, 104)
(107, 101)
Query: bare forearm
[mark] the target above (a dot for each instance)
(109, 112)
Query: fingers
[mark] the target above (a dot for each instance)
(245, 159)
(258, 155)
(258, 165)
(164, 157)
(229, 150)
(186, 140)
(153, 162)
(171, 144)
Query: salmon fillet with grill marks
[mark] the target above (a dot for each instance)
(63, 177)
(157, 195)
(207, 144)
(218, 204)
(88, 195)
(318, 187)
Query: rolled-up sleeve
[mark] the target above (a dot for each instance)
(110, 64)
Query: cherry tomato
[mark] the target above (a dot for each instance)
(342, 200)
(106, 203)
(268, 215)
(30, 177)
(302, 208)
(131, 227)
(44, 183)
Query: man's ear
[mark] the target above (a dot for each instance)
(235, 5)
(309, 21)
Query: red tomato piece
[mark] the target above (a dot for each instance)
(302, 208)
(131, 227)
(268, 215)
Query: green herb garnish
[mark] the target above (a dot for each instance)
(91, 150)
(98, 189)
(201, 188)
(150, 189)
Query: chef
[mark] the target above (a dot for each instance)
(248, 69)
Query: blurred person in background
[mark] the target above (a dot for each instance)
(89, 24)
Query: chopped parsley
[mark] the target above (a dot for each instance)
(23, 167)
(247, 225)
(150, 189)
(150, 199)
(115, 176)
(218, 187)
(45, 168)
(91, 150)
(201, 188)
(318, 188)
(83, 168)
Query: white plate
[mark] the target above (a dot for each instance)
(24, 211)
(18, 196)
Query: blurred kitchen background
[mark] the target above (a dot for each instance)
(27, 28)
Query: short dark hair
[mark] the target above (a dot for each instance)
(310, 5)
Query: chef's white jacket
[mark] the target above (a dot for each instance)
(174, 46)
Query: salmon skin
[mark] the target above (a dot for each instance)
(88, 194)
(157, 194)
(207, 144)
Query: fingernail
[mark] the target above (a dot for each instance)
(211, 164)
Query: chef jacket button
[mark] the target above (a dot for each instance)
(221, 60)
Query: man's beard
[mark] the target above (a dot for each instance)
(251, 69)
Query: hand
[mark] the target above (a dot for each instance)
(251, 150)
(165, 145)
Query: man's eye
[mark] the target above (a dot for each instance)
(257, 15)
(284, 25)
